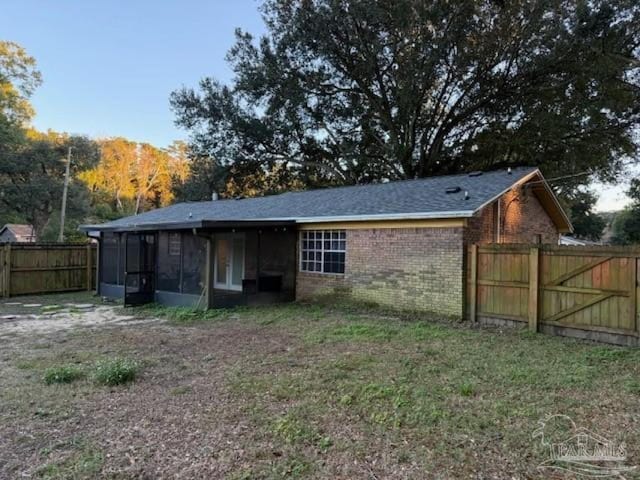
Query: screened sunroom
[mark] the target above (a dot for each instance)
(204, 268)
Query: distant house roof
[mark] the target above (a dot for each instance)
(572, 241)
(19, 230)
(409, 199)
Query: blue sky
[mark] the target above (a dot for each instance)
(110, 65)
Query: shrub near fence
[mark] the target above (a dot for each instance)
(31, 268)
(586, 292)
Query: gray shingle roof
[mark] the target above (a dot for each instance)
(422, 198)
(23, 230)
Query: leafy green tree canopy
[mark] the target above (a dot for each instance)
(626, 224)
(32, 164)
(18, 80)
(587, 224)
(32, 176)
(359, 91)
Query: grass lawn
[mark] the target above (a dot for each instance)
(301, 391)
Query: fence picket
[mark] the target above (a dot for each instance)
(589, 292)
(473, 296)
(7, 270)
(46, 268)
(534, 285)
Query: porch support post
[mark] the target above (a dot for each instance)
(99, 263)
(125, 236)
(259, 234)
(209, 275)
(633, 293)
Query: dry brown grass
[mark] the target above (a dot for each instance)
(305, 391)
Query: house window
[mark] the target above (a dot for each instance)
(174, 244)
(323, 251)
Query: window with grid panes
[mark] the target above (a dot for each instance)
(175, 244)
(323, 251)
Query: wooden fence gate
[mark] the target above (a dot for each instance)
(31, 268)
(586, 292)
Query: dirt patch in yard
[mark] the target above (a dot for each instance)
(20, 316)
(64, 318)
(303, 391)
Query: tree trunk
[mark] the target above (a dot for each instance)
(138, 202)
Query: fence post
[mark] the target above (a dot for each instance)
(7, 270)
(3, 260)
(633, 294)
(89, 267)
(473, 293)
(534, 285)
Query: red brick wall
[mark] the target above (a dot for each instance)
(423, 268)
(405, 268)
(522, 217)
(481, 228)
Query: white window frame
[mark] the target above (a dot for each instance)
(322, 250)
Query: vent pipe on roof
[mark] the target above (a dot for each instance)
(214, 196)
(509, 170)
(466, 195)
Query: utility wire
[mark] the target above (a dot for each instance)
(580, 174)
(550, 180)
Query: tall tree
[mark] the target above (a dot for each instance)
(207, 176)
(32, 164)
(135, 176)
(152, 177)
(587, 224)
(626, 224)
(18, 80)
(180, 160)
(356, 91)
(117, 164)
(32, 177)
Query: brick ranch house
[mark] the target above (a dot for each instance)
(399, 243)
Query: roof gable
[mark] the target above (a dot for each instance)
(549, 202)
(22, 230)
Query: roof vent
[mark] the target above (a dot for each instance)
(475, 174)
(214, 196)
(453, 190)
(509, 170)
(190, 215)
(466, 195)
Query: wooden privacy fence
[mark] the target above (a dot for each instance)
(586, 292)
(31, 268)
